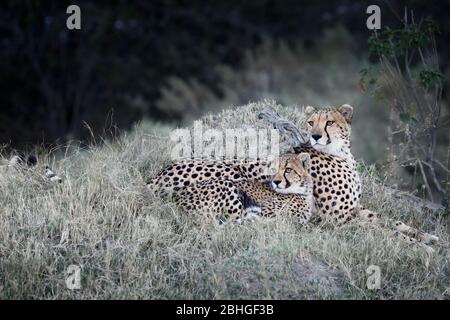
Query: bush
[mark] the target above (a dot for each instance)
(409, 81)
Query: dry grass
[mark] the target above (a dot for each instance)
(130, 244)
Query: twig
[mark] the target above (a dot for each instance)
(425, 180)
(433, 175)
(295, 136)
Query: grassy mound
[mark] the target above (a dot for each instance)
(130, 244)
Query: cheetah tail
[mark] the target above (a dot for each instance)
(371, 216)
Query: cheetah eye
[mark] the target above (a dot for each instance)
(311, 123)
(288, 170)
(330, 123)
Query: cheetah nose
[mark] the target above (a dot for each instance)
(316, 136)
(276, 182)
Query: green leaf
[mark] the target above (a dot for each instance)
(362, 85)
(430, 78)
(405, 117)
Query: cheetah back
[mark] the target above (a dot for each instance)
(187, 172)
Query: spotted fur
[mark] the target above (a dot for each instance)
(184, 173)
(234, 199)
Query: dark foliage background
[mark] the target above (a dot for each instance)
(54, 81)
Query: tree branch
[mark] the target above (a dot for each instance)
(294, 136)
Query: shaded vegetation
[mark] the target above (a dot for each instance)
(116, 67)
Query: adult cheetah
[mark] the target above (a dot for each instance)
(337, 184)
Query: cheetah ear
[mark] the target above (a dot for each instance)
(305, 159)
(309, 111)
(347, 111)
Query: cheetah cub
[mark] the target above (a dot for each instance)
(289, 191)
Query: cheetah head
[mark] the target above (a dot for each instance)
(292, 175)
(330, 129)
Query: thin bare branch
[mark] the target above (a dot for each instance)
(425, 180)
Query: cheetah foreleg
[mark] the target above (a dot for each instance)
(252, 213)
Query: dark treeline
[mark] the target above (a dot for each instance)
(55, 80)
